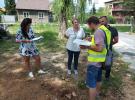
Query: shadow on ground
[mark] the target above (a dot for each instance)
(129, 53)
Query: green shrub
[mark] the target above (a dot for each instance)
(123, 28)
(86, 30)
(127, 20)
(111, 19)
(3, 33)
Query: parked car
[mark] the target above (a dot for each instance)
(3, 33)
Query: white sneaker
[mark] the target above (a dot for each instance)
(76, 72)
(69, 72)
(41, 71)
(31, 75)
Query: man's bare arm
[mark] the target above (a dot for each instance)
(97, 47)
(115, 40)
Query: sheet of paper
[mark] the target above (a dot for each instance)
(82, 42)
(38, 38)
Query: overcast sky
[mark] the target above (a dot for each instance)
(1, 3)
(100, 3)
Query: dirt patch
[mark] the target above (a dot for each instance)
(14, 84)
(129, 87)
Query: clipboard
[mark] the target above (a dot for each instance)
(37, 38)
(82, 42)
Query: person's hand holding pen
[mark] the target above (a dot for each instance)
(24, 41)
(84, 47)
(28, 41)
(89, 38)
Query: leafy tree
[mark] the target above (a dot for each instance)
(93, 9)
(62, 10)
(101, 11)
(10, 7)
(2, 11)
(82, 10)
(130, 4)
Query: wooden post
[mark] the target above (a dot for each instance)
(132, 24)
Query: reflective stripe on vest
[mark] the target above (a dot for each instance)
(99, 56)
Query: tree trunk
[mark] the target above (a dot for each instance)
(62, 25)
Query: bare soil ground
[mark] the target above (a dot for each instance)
(15, 85)
(129, 88)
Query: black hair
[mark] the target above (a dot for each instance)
(93, 19)
(103, 17)
(24, 24)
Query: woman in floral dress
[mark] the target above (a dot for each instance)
(27, 47)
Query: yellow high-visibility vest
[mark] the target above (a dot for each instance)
(100, 56)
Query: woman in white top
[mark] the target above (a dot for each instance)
(73, 49)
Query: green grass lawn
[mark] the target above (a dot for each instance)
(119, 69)
(38, 28)
(51, 42)
(123, 28)
(50, 33)
(8, 46)
(119, 28)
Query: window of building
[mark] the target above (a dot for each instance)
(41, 15)
(26, 14)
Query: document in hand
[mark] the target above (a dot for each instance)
(37, 38)
(82, 42)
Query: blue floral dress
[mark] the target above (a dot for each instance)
(27, 49)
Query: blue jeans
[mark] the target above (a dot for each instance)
(94, 75)
(72, 54)
(108, 70)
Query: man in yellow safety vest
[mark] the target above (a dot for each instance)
(96, 55)
(115, 38)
